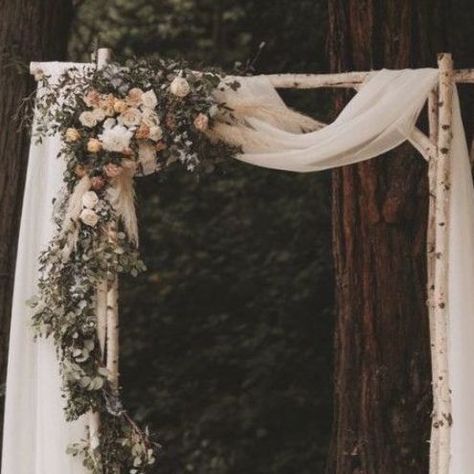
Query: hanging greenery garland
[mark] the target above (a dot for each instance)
(114, 123)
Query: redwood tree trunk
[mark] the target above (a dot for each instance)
(30, 30)
(382, 367)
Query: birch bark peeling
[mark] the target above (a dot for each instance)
(442, 417)
(431, 261)
(101, 309)
(113, 335)
(342, 79)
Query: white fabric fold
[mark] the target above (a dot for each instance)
(35, 433)
(380, 117)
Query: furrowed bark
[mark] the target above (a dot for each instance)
(29, 31)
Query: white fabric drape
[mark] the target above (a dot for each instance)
(35, 433)
(380, 117)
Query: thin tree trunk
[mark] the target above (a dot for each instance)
(30, 30)
(382, 367)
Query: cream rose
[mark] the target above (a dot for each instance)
(88, 119)
(201, 122)
(155, 134)
(99, 114)
(94, 145)
(90, 199)
(180, 87)
(130, 118)
(150, 118)
(149, 99)
(72, 135)
(89, 217)
(134, 97)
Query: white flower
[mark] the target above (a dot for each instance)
(90, 199)
(99, 114)
(130, 118)
(149, 99)
(109, 123)
(116, 138)
(155, 133)
(89, 217)
(150, 118)
(88, 119)
(180, 87)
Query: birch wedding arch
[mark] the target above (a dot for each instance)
(110, 123)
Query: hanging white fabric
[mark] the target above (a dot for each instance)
(35, 433)
(380, 117)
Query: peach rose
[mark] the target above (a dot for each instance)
(72, 135)
(143, 132)
(97, 183)
(120, 106)
(94, 145)
(112, 170)
(107, 104)
(92, 98)
(201, 122)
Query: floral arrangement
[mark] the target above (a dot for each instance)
(115, 122)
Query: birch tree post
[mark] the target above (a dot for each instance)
(433, 117)
(102, 303)
(442, 418)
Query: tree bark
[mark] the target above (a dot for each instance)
(382, 395)
(30, 30)
(382, 392)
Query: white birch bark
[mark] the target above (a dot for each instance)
(442, 418)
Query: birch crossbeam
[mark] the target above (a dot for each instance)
(342, 79)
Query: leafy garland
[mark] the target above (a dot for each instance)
(114, 122)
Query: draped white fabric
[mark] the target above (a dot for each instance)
(380, 117)
(35, 433)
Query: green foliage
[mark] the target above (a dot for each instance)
(226, 341)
